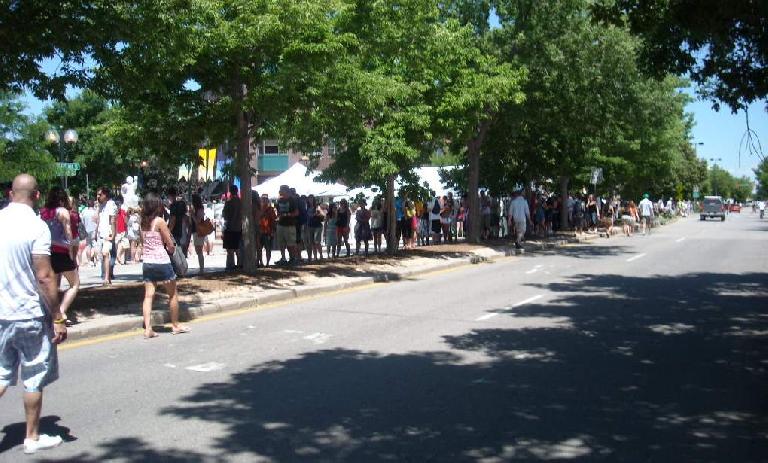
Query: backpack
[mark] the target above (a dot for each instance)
(436, 207)
(578, 208)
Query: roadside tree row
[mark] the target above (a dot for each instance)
(544, 94)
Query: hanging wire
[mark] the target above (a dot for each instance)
(750, 142)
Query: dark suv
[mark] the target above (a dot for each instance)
(713, 207)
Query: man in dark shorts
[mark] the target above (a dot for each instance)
(287, 209)
(31, 324)
(233, 227)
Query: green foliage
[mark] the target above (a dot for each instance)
(720, 44)
(582, 80)
(109, 146)
(722, 183)
(22, 146)
(62, 31)
(377, 108)
(761, 174)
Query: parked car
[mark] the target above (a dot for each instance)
(713, 207)
(735, 208)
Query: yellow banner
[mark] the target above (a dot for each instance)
(207, 168)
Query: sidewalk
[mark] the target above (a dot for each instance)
(99, 311)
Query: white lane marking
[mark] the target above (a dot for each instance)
(530, 299)
(680, 240)
(206, 367)
(169, 365)
(518, 304)
(292, 331)
(636, 257)
(534, 270)
(318, 338)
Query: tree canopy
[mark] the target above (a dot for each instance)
(722, 45)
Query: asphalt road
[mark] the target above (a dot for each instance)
(651, 348)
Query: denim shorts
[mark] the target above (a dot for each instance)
(157, 272)
(26, 345)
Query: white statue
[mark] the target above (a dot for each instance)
(128, 191)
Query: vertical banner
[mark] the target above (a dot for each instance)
(207, 168)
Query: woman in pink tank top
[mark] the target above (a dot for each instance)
(157, 268)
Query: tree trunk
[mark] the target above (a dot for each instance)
(244, 172)
(473, 235)
(473, 184)
(564, 225)
(391, 219)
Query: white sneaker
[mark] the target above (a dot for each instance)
(43, 442)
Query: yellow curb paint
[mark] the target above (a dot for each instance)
(98, 340)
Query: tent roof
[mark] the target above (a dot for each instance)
(296, 177)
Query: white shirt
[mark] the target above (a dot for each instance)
(22, 235)
(106, 210)
(519, 210)
(646, 207)
(90, 219)
(761, 205)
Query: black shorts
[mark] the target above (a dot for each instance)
(231, 240)
(62, 263)
(436, 228)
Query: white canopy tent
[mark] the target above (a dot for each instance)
(431, 175)
(296, 177)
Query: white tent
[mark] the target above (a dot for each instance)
(296, 177)
(431, 175)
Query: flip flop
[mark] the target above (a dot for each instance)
(153, 335)
(180, 331)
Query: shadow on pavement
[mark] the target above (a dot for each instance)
(586, 251)
(14, 434)
(132, 449)
(634, 369)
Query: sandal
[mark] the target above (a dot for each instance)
(150, 336)
(181, 330)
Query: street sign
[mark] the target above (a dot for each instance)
(696, 192)
(68, 169)
(597, 175)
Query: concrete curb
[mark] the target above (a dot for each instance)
(115, 324)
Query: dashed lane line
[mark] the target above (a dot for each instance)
(636, 257)
(518, 304)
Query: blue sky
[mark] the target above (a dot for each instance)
(722, 134)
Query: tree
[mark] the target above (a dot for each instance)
(62, 31)
(471, 87)
(582, 85)
(220, 70)
(376, 108)
(721, 45)
(22, 147)
(761, 174)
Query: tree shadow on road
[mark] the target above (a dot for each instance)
(626, 369)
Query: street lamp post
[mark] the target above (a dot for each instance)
(69, 137)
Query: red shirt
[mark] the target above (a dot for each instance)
(267, 222)
(120, 224)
